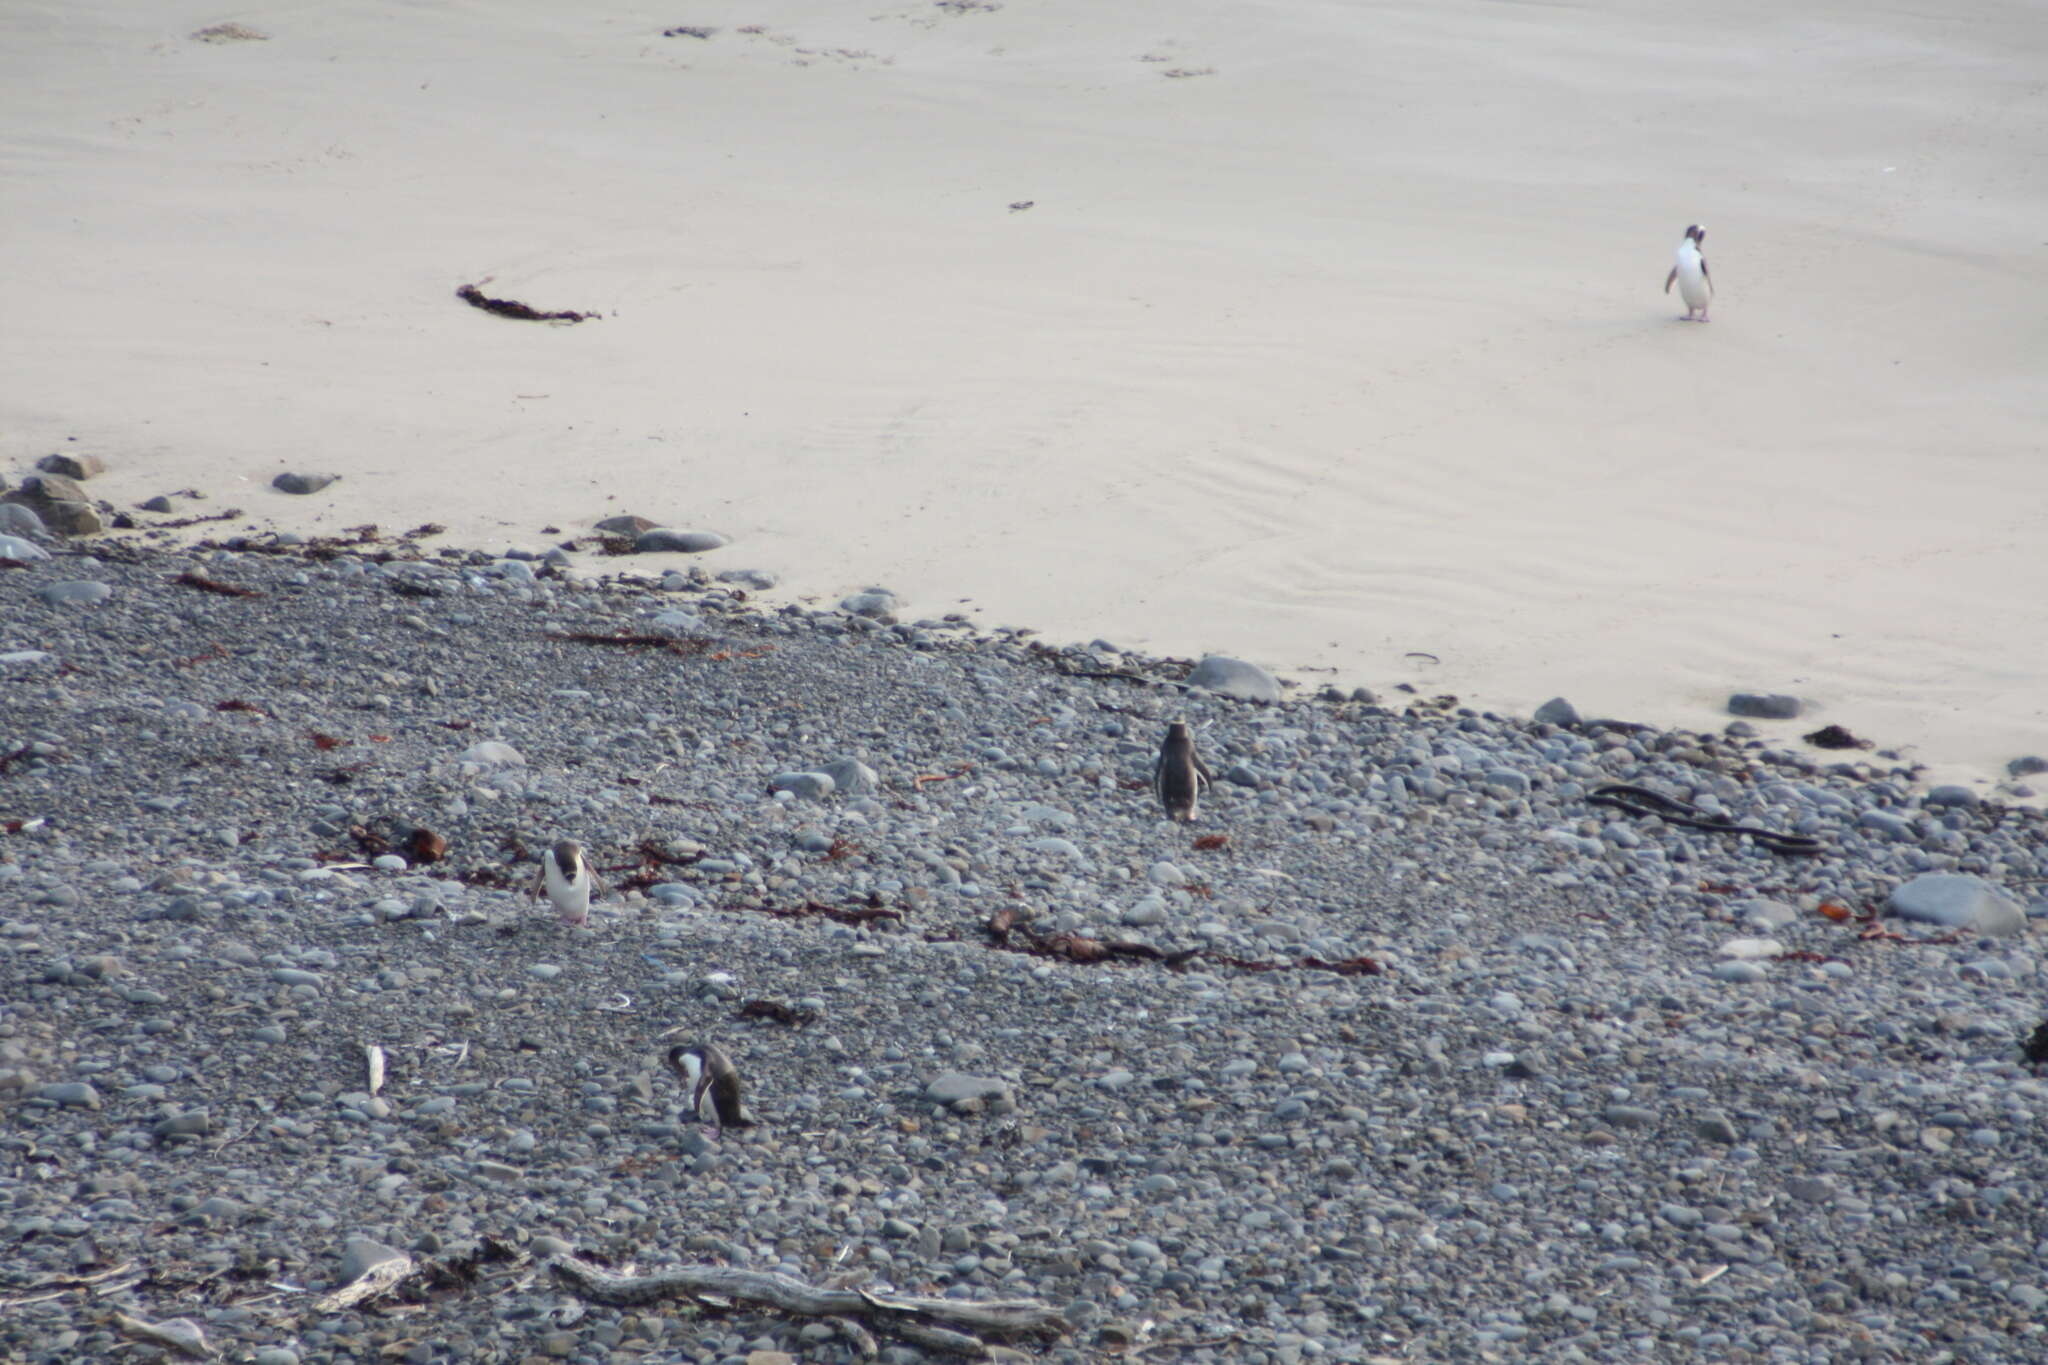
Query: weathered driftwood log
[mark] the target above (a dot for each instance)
(380, 1278)
(180, 1334)
(942, 1324)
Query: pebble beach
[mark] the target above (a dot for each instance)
(810, 456)
(1403, 1050)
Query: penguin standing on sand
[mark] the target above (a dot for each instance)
(702, 1067)
(1695, 285)
(1179, 776)
(567, 881)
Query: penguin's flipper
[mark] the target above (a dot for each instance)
(537, 887)
(1672, 278)
(1203, 776)
(1706, 274)
(599, 887)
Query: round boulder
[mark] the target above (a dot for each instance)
(1958, 901)
(1228, 677)
(1765, 706)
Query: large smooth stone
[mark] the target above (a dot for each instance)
(875, 602)
(852, 776)
(1765, 705)
(84, 592)
(1229, 677)
(1958, 901)
(661, 538)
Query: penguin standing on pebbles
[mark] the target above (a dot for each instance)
(1179, 776)
(703, 1067)
(567, 881)
(1695, 285)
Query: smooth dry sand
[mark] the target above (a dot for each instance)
(1333, 331)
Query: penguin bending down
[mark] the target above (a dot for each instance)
(706, 1067)
(1695, 285)
(1179, 776)
(568, 881)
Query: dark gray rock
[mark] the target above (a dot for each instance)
(1229, 677)
(664, 540)
(192, 1123)
(159, 503)
(73, 518)
(952, 1087)
(48, 488)
(2025, 766)
(1957, 901)
(1244, 775)
(1765, 706)
(71, 466)
(302, 483)
(1557, 711)
(1961, 797)
(1715, 1126)
(58, 503)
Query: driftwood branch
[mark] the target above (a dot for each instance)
(380, 1278)
(180, 1334)
(941, 1324)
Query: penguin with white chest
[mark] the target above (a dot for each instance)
(704, 1069)
(567, 881)
(1695, 285)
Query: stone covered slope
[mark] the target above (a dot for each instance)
(1572, 1113)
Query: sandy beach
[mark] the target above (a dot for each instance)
(1329, 336)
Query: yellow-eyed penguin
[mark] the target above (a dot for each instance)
(1695, 285)
(568, 881)
(702, 1067)
(1179, 776)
